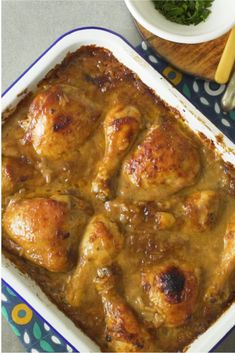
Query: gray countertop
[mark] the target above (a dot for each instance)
(28, 28)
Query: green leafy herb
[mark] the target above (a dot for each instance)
(185, 12)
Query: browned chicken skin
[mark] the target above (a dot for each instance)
(46, 230)
(124, 332)
(121, 126)
(172, 290)
(200, 210)
(146, 264)
(60, 121)
(100, 245)
(217, 288)
(164, 162)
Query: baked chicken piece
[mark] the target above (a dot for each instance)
(60, 121)
(172, 291)
(121, 126)
(200, 210)
(217, 288)
(163, 163)
(46, 229)
(101, 243)
(124, 332)
(15, 172)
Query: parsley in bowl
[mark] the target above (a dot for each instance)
(185, 12)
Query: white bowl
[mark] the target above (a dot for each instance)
(220, 20)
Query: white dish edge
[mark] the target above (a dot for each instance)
(123, 51)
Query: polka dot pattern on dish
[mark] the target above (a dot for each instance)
(36, 335)
(204, 95)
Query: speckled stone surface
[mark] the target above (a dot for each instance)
(30, 26)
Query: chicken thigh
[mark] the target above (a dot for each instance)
(217, 288)
(46, 229)
(100, 245)
(60, 121)
(163, 163)
(172, 291)
(124, 333)
(121, 126)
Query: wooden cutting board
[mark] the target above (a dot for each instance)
(197, 59)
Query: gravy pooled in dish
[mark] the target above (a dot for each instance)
(122, 215)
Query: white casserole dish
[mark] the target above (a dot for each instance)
(123, 51)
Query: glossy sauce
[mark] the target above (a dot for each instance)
(103, 80)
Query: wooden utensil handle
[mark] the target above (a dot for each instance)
(227, 60)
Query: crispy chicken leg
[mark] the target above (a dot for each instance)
(121, 126)
(100, 245)
(124, 333)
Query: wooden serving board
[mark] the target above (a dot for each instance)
(197, 59)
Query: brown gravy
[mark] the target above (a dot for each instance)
(99, 77)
